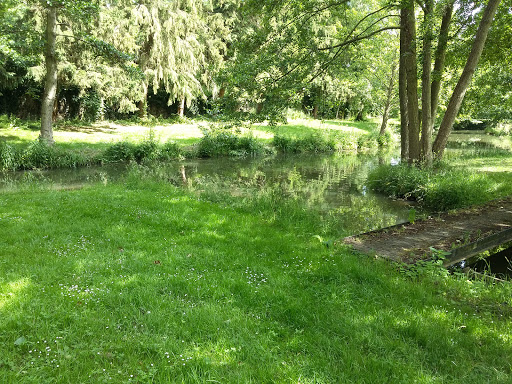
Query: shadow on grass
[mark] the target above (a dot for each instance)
(88, 129)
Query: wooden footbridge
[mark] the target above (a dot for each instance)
(462, 235)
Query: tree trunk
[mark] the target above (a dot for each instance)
(181, 107)
(142, 105)
(389, 97)
(102, 109)
(426, 107)
(402, 93)
(463, 83)
(315, 111)
(437, 74)
(222, 92)
(409, 31)
(259, 107)
(50, 84)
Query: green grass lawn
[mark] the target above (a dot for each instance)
(102, 134)
(139, 281)
(300, 128)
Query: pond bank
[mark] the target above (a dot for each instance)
(412, 242)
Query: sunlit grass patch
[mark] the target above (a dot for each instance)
(478, 139)
(299, 128)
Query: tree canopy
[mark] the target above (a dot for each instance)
(332, 58)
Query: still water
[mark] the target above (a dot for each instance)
(333, 186)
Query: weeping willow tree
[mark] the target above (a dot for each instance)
(178, 46)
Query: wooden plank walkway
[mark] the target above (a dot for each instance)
(464, 233)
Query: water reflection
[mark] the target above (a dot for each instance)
(332, 186)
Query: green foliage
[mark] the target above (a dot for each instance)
(314, 143)
(121, 151)
(7, 156)
(325, 143)
(470, 125)
(385, 140)
(436, 189)
(91, 106)
(40, 155)
(431, 268)
(454, 189)
(503, 128)
(223, 141)
(146, 150)
(169, 151)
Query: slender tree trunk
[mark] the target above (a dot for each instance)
(402, 93)
(222, 92)
(102, 109)
(389, 97)
(338, 111)
(437, 73)
(181, 107)
(142, 105)
(463, 83)
(259, 107)
(315, 111)
(409, 31)
(50, 84)
(426, 99)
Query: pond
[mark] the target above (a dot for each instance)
(333, 186)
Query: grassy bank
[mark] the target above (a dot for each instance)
(140, 281)
(79, 144)
(464, 178)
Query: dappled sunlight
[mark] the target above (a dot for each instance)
(10, 292)
(478, 139)
(102, 132)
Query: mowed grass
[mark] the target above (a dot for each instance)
(97, 137)
(301, 128)
(141, 281)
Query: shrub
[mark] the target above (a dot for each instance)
(399, 181)
(454, 189)
(470, 125)
(147, 150)
(121, 151)
(222, 142)
(367, 141)
(312, 143)
(385, 140)
(39, 155)
(169, 150)
(126, 151)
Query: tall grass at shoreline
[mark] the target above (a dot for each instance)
(442, 187)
